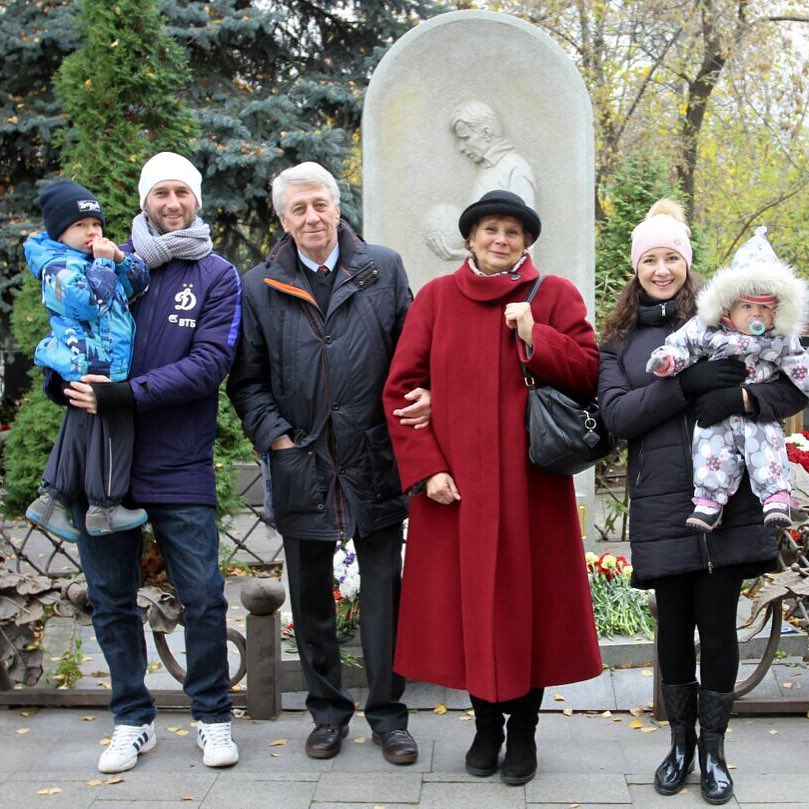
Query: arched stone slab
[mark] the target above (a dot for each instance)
(413, 168)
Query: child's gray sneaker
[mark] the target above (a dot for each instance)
(55, 518)
(101, 520)
(127, 743)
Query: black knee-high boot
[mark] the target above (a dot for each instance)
(520, 764)
(481, 758)
(681, 707)
(714, 713)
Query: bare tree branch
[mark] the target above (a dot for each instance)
(763, 209)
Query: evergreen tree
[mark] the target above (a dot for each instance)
(274, 84)
(34, 38)
(121, 91)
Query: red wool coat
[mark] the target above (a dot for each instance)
(495, 597)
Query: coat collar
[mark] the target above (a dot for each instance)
(495, 287)
(355, 267)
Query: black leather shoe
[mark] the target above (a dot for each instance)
(398, 746)
(325, 741)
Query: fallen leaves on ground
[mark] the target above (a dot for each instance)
(23, 731)
(49, 791)
(636, 711)
(278, 742)
(94, 782)
(559, 697)
(440, 709)
(568, 712)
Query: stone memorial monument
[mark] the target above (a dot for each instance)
(464, 103)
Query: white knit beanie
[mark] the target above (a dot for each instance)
(169, 166)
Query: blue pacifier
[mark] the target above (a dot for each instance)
(757, 328)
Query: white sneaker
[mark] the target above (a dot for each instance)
(218, 748)
(127, 743)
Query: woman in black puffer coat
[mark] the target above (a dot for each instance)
(697, 577)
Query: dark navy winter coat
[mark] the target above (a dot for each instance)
(656, 419)
(318, 377)
(187, 329)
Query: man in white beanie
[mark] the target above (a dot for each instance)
(187, 325)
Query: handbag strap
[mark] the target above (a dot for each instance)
(527, 376)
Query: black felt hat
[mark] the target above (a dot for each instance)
(500, 203)
(64, 203)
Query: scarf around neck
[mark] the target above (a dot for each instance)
(156, 249)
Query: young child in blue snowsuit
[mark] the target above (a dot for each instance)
(87, 283)
(754, 310)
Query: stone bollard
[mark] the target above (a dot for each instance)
(262, 597)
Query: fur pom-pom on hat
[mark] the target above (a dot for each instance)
(755, 272)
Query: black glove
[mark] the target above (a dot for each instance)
(53, 387)
(707, 375)
(113, 396)
(713, 407)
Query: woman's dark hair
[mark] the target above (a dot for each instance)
(624, 316)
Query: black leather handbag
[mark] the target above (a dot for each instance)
(564, 436)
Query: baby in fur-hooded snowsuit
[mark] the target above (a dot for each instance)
(754, 310)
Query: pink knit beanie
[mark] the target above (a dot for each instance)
(661, 230)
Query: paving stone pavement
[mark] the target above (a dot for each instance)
(590, 758)
(594, 757)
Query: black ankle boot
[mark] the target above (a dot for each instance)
(481, 758)
(520, 764)
(681, 707)
(714, 713)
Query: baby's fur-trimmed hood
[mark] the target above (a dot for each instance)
(770, 277)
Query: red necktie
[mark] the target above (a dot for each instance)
(323, 269)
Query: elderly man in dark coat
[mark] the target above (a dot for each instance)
(321, 317)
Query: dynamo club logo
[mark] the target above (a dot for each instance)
(185, 298)
(184, 301)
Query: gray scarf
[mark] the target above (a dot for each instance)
(156, 249)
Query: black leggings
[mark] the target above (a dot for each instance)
(706, 601)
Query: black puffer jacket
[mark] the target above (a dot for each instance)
(658, 422)
(318, 377)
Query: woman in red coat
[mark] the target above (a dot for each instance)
(495, 597)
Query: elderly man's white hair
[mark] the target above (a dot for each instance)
(308, 173)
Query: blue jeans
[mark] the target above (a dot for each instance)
(189, 543)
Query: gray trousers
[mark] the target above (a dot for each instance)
(91, 458)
